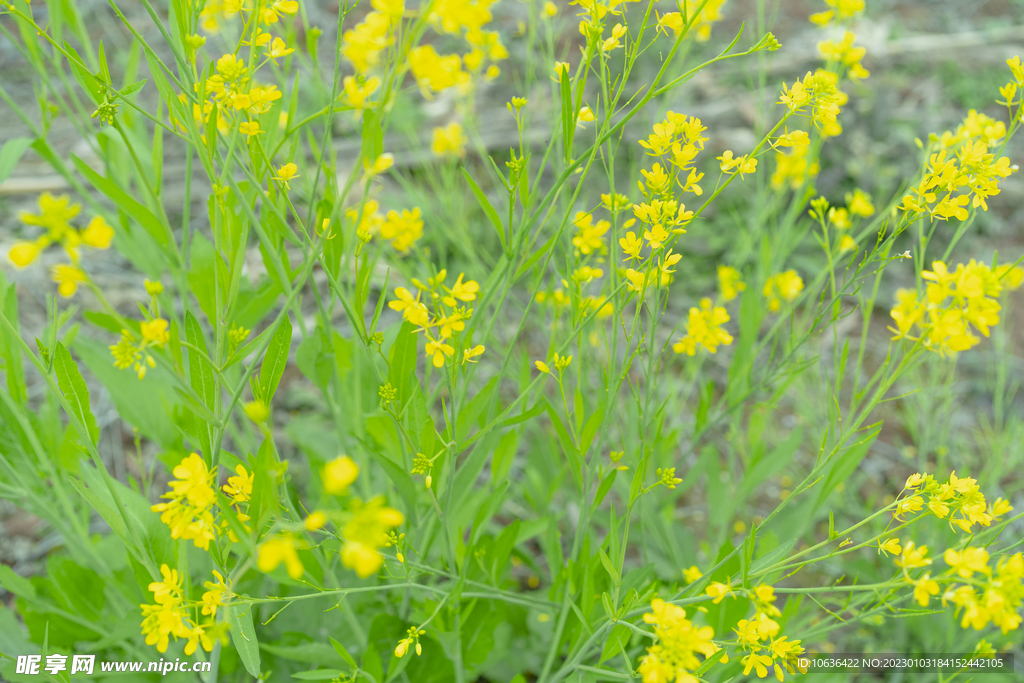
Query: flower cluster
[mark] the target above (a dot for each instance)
(962, 171)
(169, 615)
(781, 287)
(704, 328)
(841, 10)
(191, 511)
(447, 317)
(449, 141)
(794, 167)
(677, 642)
(402, 230)
(843, 52)
(994, 596)
(55, 214)
(959, 500)
(955, 303)
(818, 96)
(730, 282)
(759, 637)
(132, 351)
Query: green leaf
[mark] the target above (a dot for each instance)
(142, 215)
(202, 275)
(373, 136)
(340, 649)
(403, 362)
(502, 549)
(243, 635)
(275, 359)
(617, 639)
(11, 153)
(12, 583)
(503, 456)
(73, 386)
(89, 82)
(605, 487)
(485, 204)
(200, 371)
(264, 502)
(609, 567)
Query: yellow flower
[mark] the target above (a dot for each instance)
(730, 282)
(315, 521)
(67, 278)
(923, 588)
(239, 487)
(542, 366)
(98, 234)
(437, 350)
(463, 291)
(214, 597)
(358, 89)
(784, 286)
(24, 253)
(704, 328)
(692, 574)
(969, 561)
(449, 141)
(718, 591)
(378, 165)
(257, 411)
(590, 235)
(914, 480)
(154, 332)
(550, 9)
(277, 550)
(287, 173)
(470, 355)
(279, 48)
(891, 545)
(338, 474)
(859, 203)
(368, 530)
(913, 557)
(249, 128)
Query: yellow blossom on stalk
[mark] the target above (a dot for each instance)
(358, 90)
(704, 329)
(590, 235)
(730, 282)
(859, 203)
(434, 72)
(239, 487)
(367, 531)
(338, 474)
(449, 141)
(402, 230)
(191, 502)
(550, 9)
(907, 505)
(98, 234)
(743, 164)
(315, 521)
(67, 278)
(470, 355)
(718, 591)
(274, 551)
(891, 545)
(271, 12)
(846, 243)
(692, 574)
(379, 165)
(411, 308)
(968, 562)
(677, 642)
(955, 303)
(913, 557)
(631, 246)
(784, 286)
(924, 588)
(286, 174)
(249, 128)
(585, 116)
(132, 352)
(437, 349)
(279, 48)
(214, 597)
